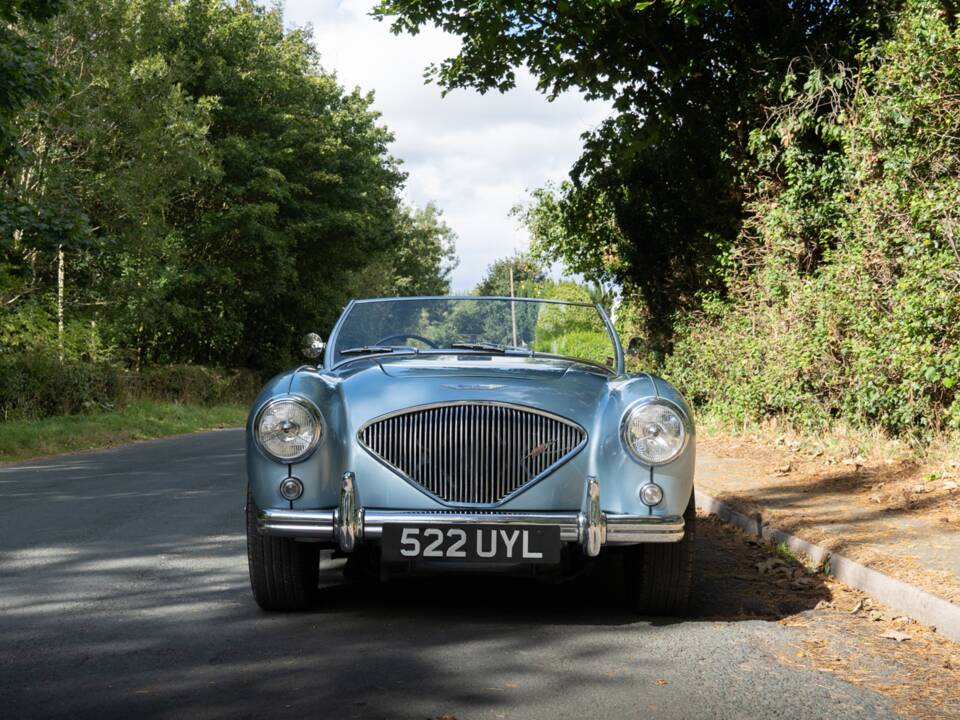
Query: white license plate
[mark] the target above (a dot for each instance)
(508, 544)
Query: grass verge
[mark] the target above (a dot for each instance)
(139, 420)
(839, 442)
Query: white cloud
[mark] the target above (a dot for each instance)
(474, 155)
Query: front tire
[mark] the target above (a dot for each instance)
(283, 572)
(658, 575)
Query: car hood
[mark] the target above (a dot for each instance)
(375, 387)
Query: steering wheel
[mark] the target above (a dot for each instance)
(407, 336)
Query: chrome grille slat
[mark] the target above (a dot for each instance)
(472, 453)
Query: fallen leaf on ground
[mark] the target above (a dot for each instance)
(769, 564)
(661, 681)
(857, 608)
(895, 635)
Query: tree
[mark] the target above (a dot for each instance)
(24, 73)
(98, 162)
(688, 81)
(210, 190)
(528, 276)
(307, 191)
(418, 261)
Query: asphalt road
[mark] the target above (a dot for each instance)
(124, 593)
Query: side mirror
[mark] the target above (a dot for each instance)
(313, 346)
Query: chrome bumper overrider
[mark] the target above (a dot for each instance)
(350, 523)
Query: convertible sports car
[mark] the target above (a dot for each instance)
(470, 434)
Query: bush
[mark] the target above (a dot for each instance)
(194, 384)
(34, 386)
(571, 330)
(843, 295)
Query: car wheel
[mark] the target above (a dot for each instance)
(658, 575)
(283, 572)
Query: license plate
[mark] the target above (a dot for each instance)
(508, 544)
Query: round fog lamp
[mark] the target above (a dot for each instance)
(291, 488)
(651, 494)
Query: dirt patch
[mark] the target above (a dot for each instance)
(892, 514)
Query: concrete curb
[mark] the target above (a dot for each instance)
(908, 599)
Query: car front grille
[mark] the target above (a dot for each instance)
(472, 453)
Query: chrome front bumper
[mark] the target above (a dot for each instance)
(349, 523)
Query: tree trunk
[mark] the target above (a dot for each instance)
(60, 271)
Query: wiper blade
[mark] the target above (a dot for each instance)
(368, 349)
(491, 347)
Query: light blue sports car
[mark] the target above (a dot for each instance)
(470, 434)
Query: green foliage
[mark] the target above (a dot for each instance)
(37, 385)
(658, 196)
(215, 193)
(844, 289)
(529, 274)
(571, 330)
(583, 238)
(24, 72)
(194, 385)
(418, 262)
(32, 329)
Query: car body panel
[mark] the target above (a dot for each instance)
(367, 388)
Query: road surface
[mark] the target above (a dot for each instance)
(124, 593)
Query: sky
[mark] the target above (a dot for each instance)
(475, 156)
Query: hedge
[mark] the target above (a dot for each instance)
(38, 386)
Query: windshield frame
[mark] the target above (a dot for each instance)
(330, 365)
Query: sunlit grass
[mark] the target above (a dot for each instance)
(140, 420)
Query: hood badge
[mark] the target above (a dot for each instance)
(540, 449)
(475, 386)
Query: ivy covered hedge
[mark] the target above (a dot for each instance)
(38, 386)
(842, 295)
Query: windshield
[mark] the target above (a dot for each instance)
(519, 326)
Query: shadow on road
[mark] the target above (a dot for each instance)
(727, 586)
(124, 593)
(135, 626)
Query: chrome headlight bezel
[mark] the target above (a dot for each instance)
(685, 423)
(304, 403)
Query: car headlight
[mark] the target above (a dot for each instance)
(288, 429)
(654, 431)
